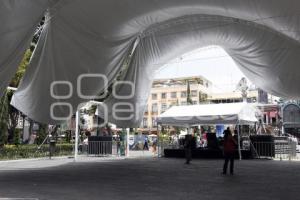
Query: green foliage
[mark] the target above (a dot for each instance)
(9, 152)
(92, 110)
(13, 116)
(21, 70)
(3, 119)
(10, 115)
(17, 137)
(42, 134)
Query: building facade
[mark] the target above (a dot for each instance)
(166, 93)
(233, 97)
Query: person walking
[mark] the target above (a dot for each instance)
(188, 148)
(146, 144)
(118, 140)
(229, 149)
(154, 145)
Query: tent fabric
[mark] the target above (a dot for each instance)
(210, 114)
(19, 20)
(98, 37)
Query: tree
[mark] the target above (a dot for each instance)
(3, 119)
(42, 133)
(10, 115)
(13, 117)
(21, 70)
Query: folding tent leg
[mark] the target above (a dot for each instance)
(76, 136)
(127, 142)
(157, 140)
(239, 142)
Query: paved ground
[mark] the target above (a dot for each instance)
(152, 178)
(40, 163)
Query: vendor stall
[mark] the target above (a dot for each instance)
(211, 114)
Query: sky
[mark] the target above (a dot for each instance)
(211, 62)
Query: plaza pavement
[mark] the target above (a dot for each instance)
(149, 178)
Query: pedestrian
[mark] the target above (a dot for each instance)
(188, 148)
(154, 144)
(118, 140)
(229, 149)
(146, 144)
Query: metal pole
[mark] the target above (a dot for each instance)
(239, 141)
(127, 142)
(157, 141)
(76, 136)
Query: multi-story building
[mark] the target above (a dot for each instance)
(254, 95)
(233, 97)
(168, 92)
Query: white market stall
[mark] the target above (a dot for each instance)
(210, 114)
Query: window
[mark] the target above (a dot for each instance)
(154, 123)
(183, 103)
(164, 107)
(145, 122)
(183, 94)
(194, 93)
(201, 82)
(154, 96)
(163, 95)
(203, 97)
(173, 95)
(154, 107)
(195, 102)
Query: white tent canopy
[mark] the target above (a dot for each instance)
(96, 37)
(210, 114)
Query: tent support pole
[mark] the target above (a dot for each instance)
(157, 128)
(76, 136)
(239, 140)
(127, 142)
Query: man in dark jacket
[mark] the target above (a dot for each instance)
(188, 148)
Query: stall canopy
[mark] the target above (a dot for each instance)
(210, 114)
(130, 40)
